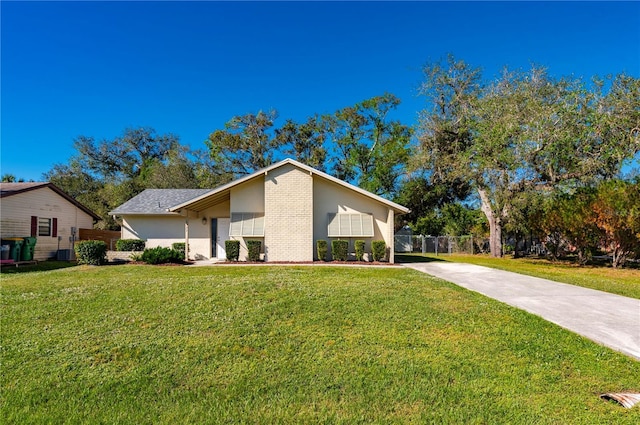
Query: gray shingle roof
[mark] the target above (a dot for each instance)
(156, 201)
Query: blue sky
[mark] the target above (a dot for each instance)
(96, 68)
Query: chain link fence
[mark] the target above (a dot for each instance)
(467, 245)
(434, 244)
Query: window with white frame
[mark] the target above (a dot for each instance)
(350, 225)
(247, 224)
(44, 226)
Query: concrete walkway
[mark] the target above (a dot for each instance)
(608, 319)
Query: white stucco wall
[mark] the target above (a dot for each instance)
(16, 212)
(155, 230)
(247, 197)
(200, 238)
(330, 197)
(164, 230)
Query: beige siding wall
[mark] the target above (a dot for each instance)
(289, 204)
(165, 230)
(248, 197)
(16, 212)
(332, 198)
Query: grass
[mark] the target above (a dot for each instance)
(624, 282)
(143, 344)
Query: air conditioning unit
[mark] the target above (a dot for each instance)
(64, 255)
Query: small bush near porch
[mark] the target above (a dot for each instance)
(232, 249)
(166, 345)
(130, 245)
(253, 250)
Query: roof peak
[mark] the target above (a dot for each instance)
(9, 189)
(311, 170)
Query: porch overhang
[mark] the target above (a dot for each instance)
(203, 203)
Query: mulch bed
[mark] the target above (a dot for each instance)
(262, 263)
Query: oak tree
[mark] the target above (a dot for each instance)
(524, 131)
(246, 144)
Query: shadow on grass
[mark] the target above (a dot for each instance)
(415, 258)
(40, 267)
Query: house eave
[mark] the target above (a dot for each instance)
(160, 214)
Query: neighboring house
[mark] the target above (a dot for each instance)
(44, 211)
(288, 206)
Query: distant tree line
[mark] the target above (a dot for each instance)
(359, 144)
(507, 156)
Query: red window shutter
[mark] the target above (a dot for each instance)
(54, 228)
(34, 225)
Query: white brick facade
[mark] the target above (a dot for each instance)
(288, 202)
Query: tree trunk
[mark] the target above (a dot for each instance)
(495, 226)
(619, 257)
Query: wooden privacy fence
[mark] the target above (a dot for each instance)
(108, 236)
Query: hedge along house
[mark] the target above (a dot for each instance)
(44, 211)
(288, 206)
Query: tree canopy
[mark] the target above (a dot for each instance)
(104, 174)
(358, 144)
(369, 149)
(523, 131)
(245, 145)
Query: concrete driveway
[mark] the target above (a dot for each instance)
(608, 319)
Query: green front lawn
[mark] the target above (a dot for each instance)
(624, 282)
(143, 344)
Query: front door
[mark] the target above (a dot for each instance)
(219, 234)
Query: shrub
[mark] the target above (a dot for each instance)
(322, 248)
(130, 245)
(339, 250)
(379, 250)
(254, 248)
(161, 255)
(233, 250)
(180, 247)
(91, 252)
(359, 245)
